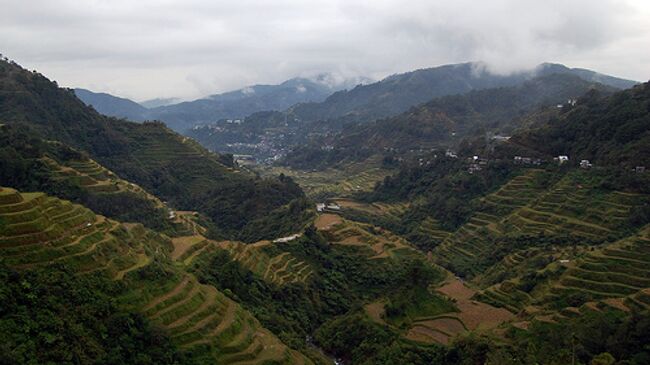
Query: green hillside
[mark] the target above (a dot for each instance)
(39, 231)
(169, 166)
(611, 130)
(446, 122)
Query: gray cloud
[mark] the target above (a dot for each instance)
(145, 49)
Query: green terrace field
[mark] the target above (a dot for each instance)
(573, 207)
(341, 181)
(38, 230)
(280, 269)
(94, 178)
(463, 248)
(156, 148)
(382, 242)
(618, 270)
(274, 268)
(209, 325)
(546, 251)
(105, 190)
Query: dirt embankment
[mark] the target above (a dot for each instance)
(327, 221)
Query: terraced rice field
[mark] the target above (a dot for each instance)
(570, 207)
(327, 221)
(187, 248)
(381, 241)
(214, 328)
(94, 178)
(431, 229)
(626, 305)
(158, 149)
(280, 269)
(40, 230)
(471, 239)
(501, 280)
(616, 273)
(573, 206)
(392, 210)
(340, 182)
(472, 315)
(618, 270)
(438, 330)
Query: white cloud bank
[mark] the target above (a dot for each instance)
(190, 48)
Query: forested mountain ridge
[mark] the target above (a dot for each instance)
(453, 118)
(170, 166)
(237, 104)
(396, 94)
(244, 102)
(446, 121)
(113, 106)
(607, 130)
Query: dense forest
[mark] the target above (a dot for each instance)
(53, 316)
(608, 130)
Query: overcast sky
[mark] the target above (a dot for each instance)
(143, 49)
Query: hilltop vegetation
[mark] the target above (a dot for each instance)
(609, 130)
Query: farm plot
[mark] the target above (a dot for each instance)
(214, 328)
(382, 242)
(280, 269)
(39, 230)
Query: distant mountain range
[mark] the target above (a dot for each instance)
(272, 134)
(276, 118)
(396, 94)
(111, 105)
(446, 121)
(157, 102)
(237, 104)
(451, 118)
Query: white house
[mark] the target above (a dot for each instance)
(333, 206)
